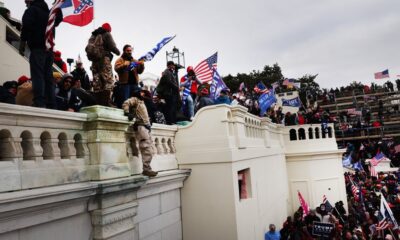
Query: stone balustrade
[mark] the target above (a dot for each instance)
(42, 147)
(302, 138)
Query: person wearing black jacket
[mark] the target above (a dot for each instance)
(34, 24)
(168, 89)
(79, 73)
(8, 92)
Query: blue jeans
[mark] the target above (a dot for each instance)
(189, 106)
(41, 63)
(124, 92)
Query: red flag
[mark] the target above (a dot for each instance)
(78, 12)
(303, 204)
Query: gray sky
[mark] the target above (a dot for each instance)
(342, 41)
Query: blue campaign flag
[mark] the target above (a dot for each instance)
(150, 55)
(358, 166)
(294, 102)
(266, 100)
(347, 161)
(217, 85)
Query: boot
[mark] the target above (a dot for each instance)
(149, 173)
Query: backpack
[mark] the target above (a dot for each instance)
(95, 48)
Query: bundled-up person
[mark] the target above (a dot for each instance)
(25, 91)
(80, 73)
(66, 99)
(99, 50)
(223, 98)
(156, 116)
(8, 92)
(168, 90)
(34, 24)
(204, 99)
(128, 77)
(60, 62)
(135, 108)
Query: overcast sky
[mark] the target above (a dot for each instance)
(341, 40)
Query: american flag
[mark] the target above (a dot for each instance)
(204, 70)
(303, 204)
(50, 24)
(288, 82)
(383, 223)
(382, 75)
(328, 205)
(377, 159)
(354, 190)
(372, 171)
(260, 88)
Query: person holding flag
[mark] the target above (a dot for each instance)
(128, 79)
(190, 84)
(37, 21)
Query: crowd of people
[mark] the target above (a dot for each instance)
(363, 220)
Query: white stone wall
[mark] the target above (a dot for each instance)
(13, 65)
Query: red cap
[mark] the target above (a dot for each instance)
(204, 91)
(107, 27)
(190, 68)
(23, 79)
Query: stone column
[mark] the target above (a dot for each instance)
(106, 128)
(114, 208)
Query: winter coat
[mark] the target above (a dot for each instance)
(108, 42)
(222, 100)
(34, 23)
(204, 102)
(168, 86)
(6, 96)
(80, 74)
(128, 77)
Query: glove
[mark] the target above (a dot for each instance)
(148, 127)
(130, 116)
(22, 48)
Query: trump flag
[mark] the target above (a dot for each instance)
(78, 12)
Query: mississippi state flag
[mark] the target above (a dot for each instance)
(77, 12)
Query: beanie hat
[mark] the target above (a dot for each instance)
(57, 54)
(67, 75)
(204, 92)
(107, 27)
(10, 84)
(22, 79)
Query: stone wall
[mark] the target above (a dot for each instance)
(77, 176)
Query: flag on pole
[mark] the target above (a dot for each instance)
(242, 87)
(51, 24)
(354, 190)
(328, 205)
(150, 55)
(288, 82)
(204, 70)
(377, 159)
(372, 171)
(260, 88)
(382, 75)
(303, 204)
(266, 100)
(78, 12)
(294, 102)
(382, 223)
(387, 212)
(217, 85)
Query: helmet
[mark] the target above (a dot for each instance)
(190, 68)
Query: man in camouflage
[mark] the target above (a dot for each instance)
(103, 79)
(134, 107)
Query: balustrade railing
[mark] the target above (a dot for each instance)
(41, 147)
